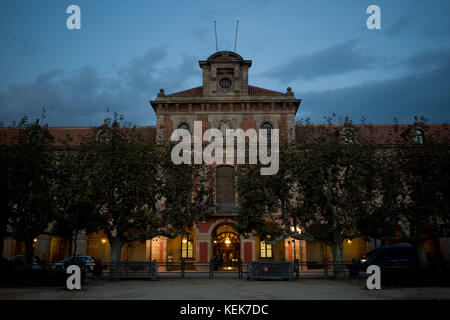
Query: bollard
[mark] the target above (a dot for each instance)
(325, 268)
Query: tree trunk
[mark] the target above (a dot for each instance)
(2, 246)
(70, 245)
(29, 253)
(74, 239)
(116, 250)
(421, 254)
(338, 259)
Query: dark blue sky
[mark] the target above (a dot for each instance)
(127, 50)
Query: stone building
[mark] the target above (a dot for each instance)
(225, 100)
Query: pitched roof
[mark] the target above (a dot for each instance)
(376, 133)
(72, 136)
(198, 92)
(256, 91)
(194, 92)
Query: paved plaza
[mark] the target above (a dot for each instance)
(226, 289)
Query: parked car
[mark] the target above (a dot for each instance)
(392, 255)
(19, 262)
(85, 263)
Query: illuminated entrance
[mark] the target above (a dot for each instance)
(226, 248)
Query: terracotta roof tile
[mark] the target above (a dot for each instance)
(194, 92)
(198, 92)
(73, 135)
(377, 133)
(256, 91)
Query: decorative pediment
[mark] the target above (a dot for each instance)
(225, 56)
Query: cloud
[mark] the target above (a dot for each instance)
(202, 34)
(433, 23)
(80, 98)
(11, 42)
(429, 58)
(338, 59)
(422, 93)
(399, 26)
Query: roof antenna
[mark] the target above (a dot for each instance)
(235, 38)
(215, 31)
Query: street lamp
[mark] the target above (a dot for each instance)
(297, 229)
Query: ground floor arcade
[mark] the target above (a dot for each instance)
(213, 239)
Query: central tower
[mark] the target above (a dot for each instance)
(225, 73)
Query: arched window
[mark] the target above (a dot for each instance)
(184, 126)
(347, 135)
(225, 188)
(187, 246)
(418, 136)
(102, 136)
(265, 250)
(267, 127)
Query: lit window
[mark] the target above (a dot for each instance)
(418, 136)
(187, 246)
(267, 127)
(266, 250)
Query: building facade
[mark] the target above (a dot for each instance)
(225, 100)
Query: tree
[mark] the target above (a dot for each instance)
(5, 187)
(75, 206)
(29, 174)
(265, 201)
(416, 175)
(326, 182)
(138, 192)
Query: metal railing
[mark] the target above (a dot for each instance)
(238, 269)
(210, 269)
(191, 269)
(134, 270)
(271, 270)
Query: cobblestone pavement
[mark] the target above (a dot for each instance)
(226, 289)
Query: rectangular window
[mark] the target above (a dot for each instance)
(190, 249)
(187, 247)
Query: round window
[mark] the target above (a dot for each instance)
(225, 83)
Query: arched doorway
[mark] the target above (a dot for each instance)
(226, 247)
